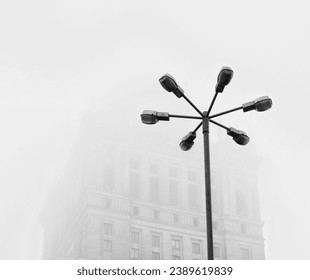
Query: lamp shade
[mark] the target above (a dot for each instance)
(224, 78)
(259, 104)
(152, 117)
(187, 141)
(239, 136)
(169, 84)
(263, 103)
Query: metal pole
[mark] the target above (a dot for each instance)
(205, 127)
(220, 125)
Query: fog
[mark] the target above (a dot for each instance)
(63, 59)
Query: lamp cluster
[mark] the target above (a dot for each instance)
(224, 77)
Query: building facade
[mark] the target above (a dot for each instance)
(127, 200)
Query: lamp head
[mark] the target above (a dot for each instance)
(187, 141)
(263, 103)
(224, 78)
(239, 136)
(169, 84)
(152, 117)
(259, 104)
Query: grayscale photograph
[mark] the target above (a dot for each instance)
(154, 130)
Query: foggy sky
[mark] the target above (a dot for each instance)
(59, 58)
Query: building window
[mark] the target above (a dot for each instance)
(107, 245)
(175, 257)
(195, 222)
(135, 211)
(216, 200)
(134, 184)
(243, 228)
(173, 172)
(215, 226)
(135, 237)
(176, 244)
(154, 168)
(196, 248)
(193, 196)
(241, 205)
(156, 241)
(108, 177)
(107, 229)
(216, 250)
(155, 214)
(108, 203)
(134, 254)
(176, 218)
(245, 254)
(134, 164)
(155, 255)
(154, 189)
(192, 176)
(173, 193)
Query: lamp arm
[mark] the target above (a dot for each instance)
(185, 117)
(218, 124)
(226, 112)
(198, 126)
(211, 104)
(191, 103)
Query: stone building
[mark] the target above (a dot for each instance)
(134, 199)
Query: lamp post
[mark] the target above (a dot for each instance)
(240, 137)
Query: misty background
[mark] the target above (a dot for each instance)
(58, 59)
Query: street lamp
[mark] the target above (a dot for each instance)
(188, 141)
(152, 117)
(224, 78)
(260, 104)
(169, 84)
(240, 137)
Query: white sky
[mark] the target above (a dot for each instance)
(56, 58)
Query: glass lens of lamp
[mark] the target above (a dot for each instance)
(148, 119)
(186, 145)
(263, 105)
(225, 76)
(241, 139)
(168, 82)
